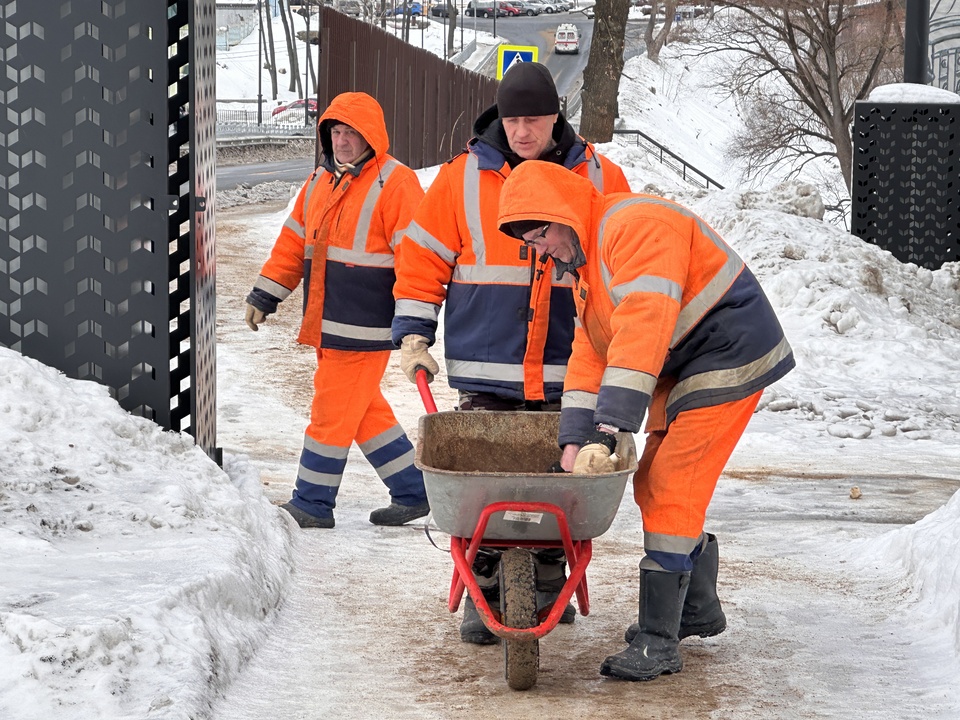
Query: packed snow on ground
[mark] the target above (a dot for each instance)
(140, 580)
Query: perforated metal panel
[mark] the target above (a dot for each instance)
(906, 180)
(106, 245)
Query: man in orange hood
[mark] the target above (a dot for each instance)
(673, 326)
(339, 240)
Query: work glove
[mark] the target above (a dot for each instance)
(596, 456)
(254, 317)
(414, 355)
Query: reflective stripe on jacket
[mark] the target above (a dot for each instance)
(340, 240)
(508, 323)
(670, 317)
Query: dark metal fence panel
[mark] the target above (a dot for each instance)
(106, 250)
(419, 92)
(906, 180)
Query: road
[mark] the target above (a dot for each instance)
(294, 171)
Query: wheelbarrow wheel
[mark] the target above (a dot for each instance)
(518, 597)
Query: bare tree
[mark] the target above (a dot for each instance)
(797, 68)
(453, 15)
(656, 40)
(601, 77)
(268, 48)
(286, 16)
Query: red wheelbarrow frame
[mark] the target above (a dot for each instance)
(464, 550)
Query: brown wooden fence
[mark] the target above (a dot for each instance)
(429, 103)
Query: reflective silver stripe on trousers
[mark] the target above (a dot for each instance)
(629, 380)
(395, 465)
(417, 309)
(317, 478)
(579, 399)
(274, 288)
(507, 372)
(691, 313)
(732, 377)
(330, 451)
(381, 440)
(356, 332)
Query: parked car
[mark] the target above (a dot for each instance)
(588, 12)
(509, 8)
(484, 9)
(526, 7)
(567, 39)
(547, 7)
(294, 110)
(409, 8)
(440, 10)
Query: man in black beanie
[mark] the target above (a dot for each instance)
(509, 320)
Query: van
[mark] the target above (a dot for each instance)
(567, 39)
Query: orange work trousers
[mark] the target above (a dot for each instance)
(677, 476)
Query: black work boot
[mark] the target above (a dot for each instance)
(655, 649)
(306, 520)
(395, 514)
(702, 614)
(486, 570)
(472, 629)
(551, 577)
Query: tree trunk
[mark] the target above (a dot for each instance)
(295, 84)
(656, 42)
(453, 17)
(601, 78)
(268, 49)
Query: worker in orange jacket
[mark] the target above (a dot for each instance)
(673, 326)
(340, 240)
(508, 323)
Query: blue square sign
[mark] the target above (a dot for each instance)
(509, 55)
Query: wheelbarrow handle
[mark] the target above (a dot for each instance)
(423, 385)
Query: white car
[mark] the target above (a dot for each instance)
(545, 7)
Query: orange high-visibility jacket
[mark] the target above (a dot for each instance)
(340, 239)
(670, 318)
(508, 323)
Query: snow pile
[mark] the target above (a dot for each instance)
(123, 549)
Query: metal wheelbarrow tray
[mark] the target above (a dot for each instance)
(473, 459)
(487, 482)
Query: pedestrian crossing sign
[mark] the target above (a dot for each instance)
(508, 55)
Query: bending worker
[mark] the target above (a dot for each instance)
(672, 325)
(508, 323)
(339, 240)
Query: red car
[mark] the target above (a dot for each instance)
(297, 105)
(509, 9)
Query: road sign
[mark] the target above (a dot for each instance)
(508, 55)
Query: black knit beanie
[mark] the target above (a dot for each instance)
(527, 90)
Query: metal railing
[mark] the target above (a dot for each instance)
(673, 161)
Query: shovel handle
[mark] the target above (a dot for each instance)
(423, 385)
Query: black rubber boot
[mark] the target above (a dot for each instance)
(472, 629)
(486, 570)
(306, 520)
(395, 514)
(551, 576)
(702, 614)
(655, 649)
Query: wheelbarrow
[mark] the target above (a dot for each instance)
(488, 482)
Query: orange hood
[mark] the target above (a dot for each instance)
(537, 190)
(361, 112)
